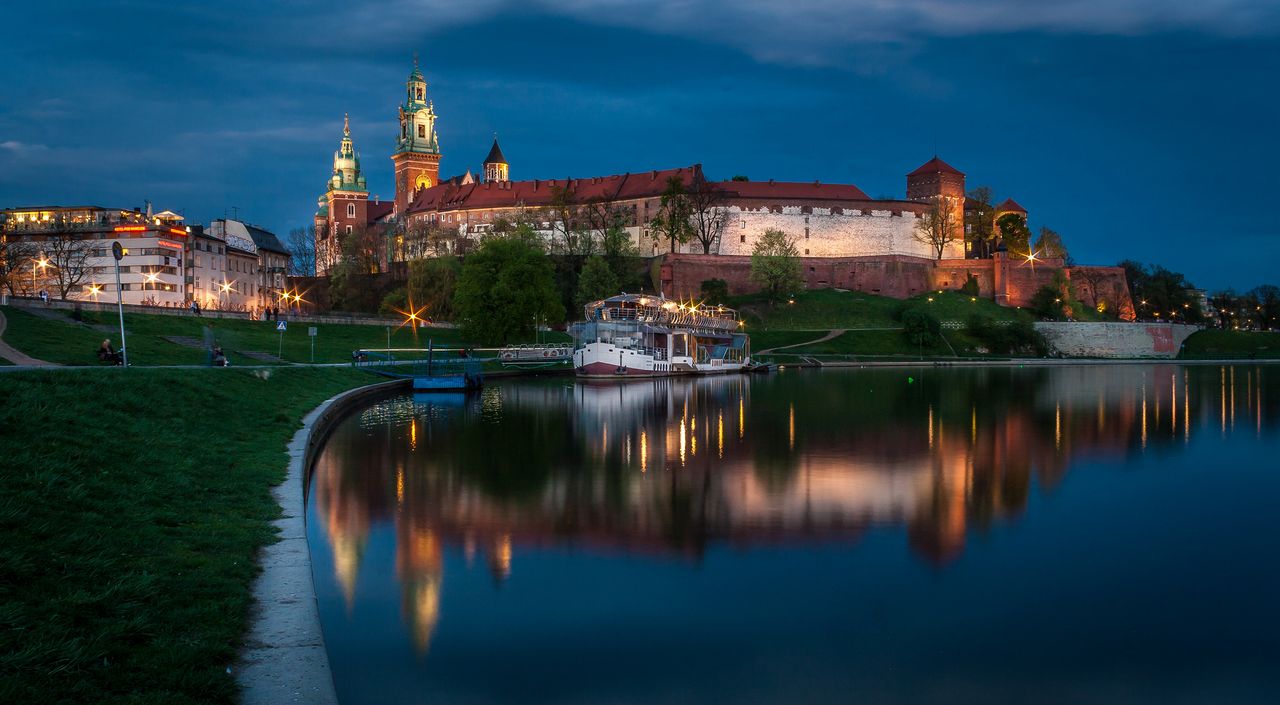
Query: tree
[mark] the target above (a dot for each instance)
(938, 227)
(69, 259)
(1224, 305)
(16, 255)
(504, 286)
(565, 216)
(715, 291)
(1161, 294)
(1046, 304)
(980, 221)
(363, 248)
(597, 281)
(619, 251)
(739, 177)
(1266, 311)
(432, 283)
(1049, 244)
(302, 252)
(921, 328)
(775, 263)
(1014, 234)
(708, 212)
(672, 223)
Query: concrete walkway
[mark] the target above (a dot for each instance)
(11, 354)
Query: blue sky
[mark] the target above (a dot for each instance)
(1138, 129)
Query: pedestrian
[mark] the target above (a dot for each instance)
(106, 353)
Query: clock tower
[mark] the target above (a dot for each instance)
(417, 155)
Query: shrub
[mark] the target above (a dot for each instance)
(1017, 338)
(396, 300)
(1046, 304)
(920, 327)
(715, 291)
(970, 287)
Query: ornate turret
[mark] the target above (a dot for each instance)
(495, 165)
(346, 163)
(417, 155)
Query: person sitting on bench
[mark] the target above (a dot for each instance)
(108, 354)
(219, 357)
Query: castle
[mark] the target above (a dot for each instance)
(845, 238)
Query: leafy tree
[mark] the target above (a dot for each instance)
(1047, 304)
(775, 263)
(620, 252)
(739, 177)
(505, 285)
(672, 223)
(1049, 244)
(921, 328)
(597, 281)
(939, 227)
(715, 291)
(1019, 337)
(395, 301)
(432, 282)
(1014, 234)
(1224, 304)
(1161, 294)
(1266, 311)
(980, 221)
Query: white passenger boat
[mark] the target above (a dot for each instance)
(636, 335)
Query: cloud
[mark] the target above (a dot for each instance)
(21, 148)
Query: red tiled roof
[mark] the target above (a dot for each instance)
(538, 192)
(1010, 206)
(377, 210)
(798, 190)
(936, 166)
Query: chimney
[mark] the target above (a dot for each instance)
(653, 175)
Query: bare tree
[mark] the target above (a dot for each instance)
(707, 212)
(939, 226)
(1049, 244)
(565, 217)
(69, 258)
(16, 255)
(980, 220)
(302, 252)
(673, 223)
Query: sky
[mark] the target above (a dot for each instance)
(1138, 129)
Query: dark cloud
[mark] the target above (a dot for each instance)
(1136, 128)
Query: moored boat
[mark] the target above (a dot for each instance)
(636, 335)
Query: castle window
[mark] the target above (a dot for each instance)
(744, 225)
(806, 232)
(351, 210)
(349, 232)
(806, 252)
(743, 237)
(422, 131)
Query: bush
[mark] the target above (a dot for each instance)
(1017, 338)
(921, 328)
(395, 301)
(970, 287)
(1046, 304)
(715, 291)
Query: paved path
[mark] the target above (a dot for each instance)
(830, 334)
(8, 352)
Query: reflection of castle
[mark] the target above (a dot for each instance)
(672, 465)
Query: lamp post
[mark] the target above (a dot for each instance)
(42, 264)
(117, 251)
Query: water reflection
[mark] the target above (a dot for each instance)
(651, 467)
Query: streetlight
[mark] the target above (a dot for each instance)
(224, 288)
(94, 290)
(43, 264)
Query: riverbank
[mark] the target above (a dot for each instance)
(133, 510)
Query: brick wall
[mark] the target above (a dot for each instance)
(1116, 340)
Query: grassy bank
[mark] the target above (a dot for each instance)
(1214, 344)
(825, 309)
(132, 505)
(55, 337)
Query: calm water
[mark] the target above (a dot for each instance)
(1072, 535)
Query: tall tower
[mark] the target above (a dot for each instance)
(936, 179)
(417, 155)
(495, 165)
(344, 207)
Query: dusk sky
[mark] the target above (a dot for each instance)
(1140, 129)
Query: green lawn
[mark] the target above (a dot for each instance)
(67, 342)
(132, 505)
(825, 309)
(1214, 344)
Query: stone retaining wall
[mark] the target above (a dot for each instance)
(1116, 340)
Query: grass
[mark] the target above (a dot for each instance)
(132, 506)
(67, 342)
(1216, 344)
(826, 309)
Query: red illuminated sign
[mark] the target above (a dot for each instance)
(131, 228)
(178, 231)
(166, 243)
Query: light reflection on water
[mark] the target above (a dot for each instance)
(752, 478)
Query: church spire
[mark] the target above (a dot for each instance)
(346, 125)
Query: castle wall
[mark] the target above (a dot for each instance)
(898, 276)
(1105, 286)
(826, 231)
(1116, 340)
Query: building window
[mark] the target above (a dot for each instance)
(351, 210)
(422, 131)
(806, 251)
(744, 225)
(743, 237)
(806, 232)
(348, 229)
